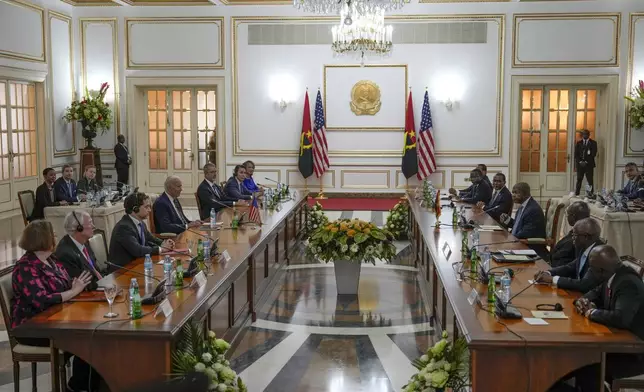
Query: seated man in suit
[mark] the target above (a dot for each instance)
(65, 187)
(529, 221)
(168, 213)
(235, 188)
(480, 190)
(88, 182)
(45, 195)
(564, 251)
(483, 168)
(74, 252)
(617, 303)
(632, 186)
(501, 200)
(576, 275)
(211, 195)
(130, 237)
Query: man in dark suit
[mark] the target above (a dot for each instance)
(72, 250)
(529, 222)
(501, 200)
(585, 153)
(45, 195)
(88, 182)
(65, 187)
(211, 195)
(576, 275)
(483, 168)
(168, 213)
(631, 190)
(122, 162)
(131, 239)
(617, 303)
(564, 250)
(480, 190)
(235, 188)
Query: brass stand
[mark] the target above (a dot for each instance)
(404, 197)
(321, 194)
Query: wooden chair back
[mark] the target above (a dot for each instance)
(27, 204)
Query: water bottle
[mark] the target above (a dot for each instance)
(200, 250)
(213, 218)
(474, 262)
(178, 277)
(475, 237)
(147, 266)
(485, 259)
(206, 251)
(167, 270)
(235, 222)
(454, 217)
(506, 281)
(135, 300)
(491, 288)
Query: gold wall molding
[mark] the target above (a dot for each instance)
(113, 23)
(635, 17)
(67, 19)
(499, 19)
(613, 17)
(219, 21)
(312, 182)
(22, 56)
(343, 185)
(443, 174)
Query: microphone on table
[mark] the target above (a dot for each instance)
(132, 271)
(159, 291)
(494, 243)
(213, 240)
(193, 269)
(491, 208)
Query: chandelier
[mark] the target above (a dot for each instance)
(362, 7)
(362, 34)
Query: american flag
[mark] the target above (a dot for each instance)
(320, 147)
(426, 160)
(253, 213)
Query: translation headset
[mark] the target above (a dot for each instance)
(136, 203)
(79, 227)
(556, 307)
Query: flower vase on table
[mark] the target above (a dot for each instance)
(92, 112)
(349, 243)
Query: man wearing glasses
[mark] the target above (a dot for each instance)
(576, 275)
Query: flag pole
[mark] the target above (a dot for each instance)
(404, 197)
(321, 194)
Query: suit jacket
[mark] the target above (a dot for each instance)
(85, 186)
(586, 153)
(125, 244)
(503, 202)
(622, 304)
(480, 192)
(121, 154)
(563, 252)
(166, 219)
(531, 224)
(237, 191)
(569, 279)
(62, 192)
(74, 260)
(211, 197)
(632, 188)
(43, 199)
(487, 180)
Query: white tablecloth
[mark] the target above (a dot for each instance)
(622, 230)
(104, 218)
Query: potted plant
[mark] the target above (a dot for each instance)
(349, 243)
(444, 367)
(398, 220)
(92, 112)
(196, 352)
(636, 109)
(315, 218)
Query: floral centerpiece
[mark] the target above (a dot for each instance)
(445, 366)
(636, 109)
(315, 218)
(194, 352)
(349, 243)
(92, 112)
(398, 220)
(429, 194)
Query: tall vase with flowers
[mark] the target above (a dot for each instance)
(636, 108)
(92, 112)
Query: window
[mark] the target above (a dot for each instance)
(586, 112)
(207, 127)
(157, 129)
(530, 130)
(558, 131)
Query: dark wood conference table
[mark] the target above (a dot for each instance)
(500, 360)
(128, 353)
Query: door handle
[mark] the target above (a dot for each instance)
(568, 158)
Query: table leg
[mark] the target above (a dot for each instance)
(55, 375)
(602, 373)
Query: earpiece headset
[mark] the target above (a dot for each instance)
(134, 200)
(79, 227)
(556, 307)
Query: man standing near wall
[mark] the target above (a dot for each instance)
(122, 162)
(585, 152)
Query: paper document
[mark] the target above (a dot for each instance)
(509, 257)
(535, 321)
(490, 228)
(525, 252)
(548, 314)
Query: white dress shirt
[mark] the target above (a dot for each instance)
(583, 259)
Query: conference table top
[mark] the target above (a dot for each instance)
(87, 316)
(479, 325)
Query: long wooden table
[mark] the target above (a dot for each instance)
(500, 360)
(127, 353)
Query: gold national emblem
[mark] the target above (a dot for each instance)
(365, 98)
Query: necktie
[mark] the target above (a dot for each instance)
(517, 219)
(494, 196)
(214, 188)
(91, 263)
(69, 188)
(582, 262)
(142, 233)
(179, 210)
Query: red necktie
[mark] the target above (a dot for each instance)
(91, 263)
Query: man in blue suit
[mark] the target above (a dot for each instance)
(211, 195)
(632, 186)
(529, 222)
(235, 188)
(168, 213)
(65, 187)
(501, 201)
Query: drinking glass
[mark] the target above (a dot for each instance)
(191, 245)
(110, 294)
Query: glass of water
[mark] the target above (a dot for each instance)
(110, 295)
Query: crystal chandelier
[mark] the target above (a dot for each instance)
(362, 7)
(362, 34)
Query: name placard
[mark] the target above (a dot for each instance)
(199, 280)
(447, 251)
(473, 297)
(225, 256)
(165, 308)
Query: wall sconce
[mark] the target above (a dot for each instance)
(282, 90)
(282, 104)
(448, 104)
(449, 90)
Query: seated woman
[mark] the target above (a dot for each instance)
(39, 281)
(249, 183)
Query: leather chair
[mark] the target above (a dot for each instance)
(98, 243)
(27, 203)
(553, 215)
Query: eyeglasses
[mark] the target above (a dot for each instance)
(580, 234)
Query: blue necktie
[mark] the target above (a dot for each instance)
(582, 262)
(142, 233)
(517, 219)
(69, 188)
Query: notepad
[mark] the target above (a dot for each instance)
(490, 228)
(535, 321)
(525, 252)
(546, 314)
(508, 257)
